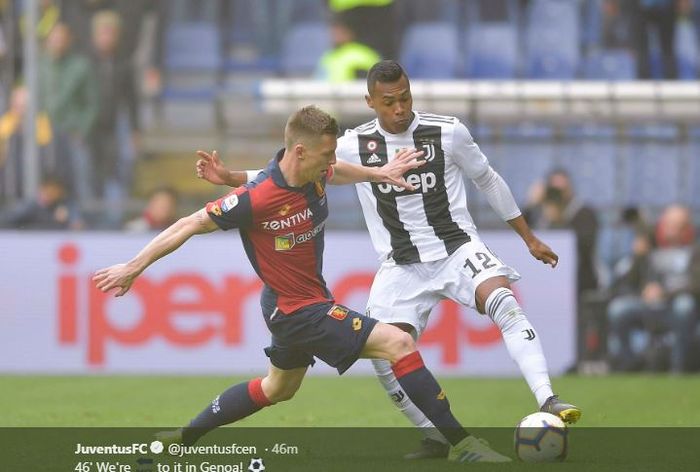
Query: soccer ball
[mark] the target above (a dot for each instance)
(256, 465)
(541, 437)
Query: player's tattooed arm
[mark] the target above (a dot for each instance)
(537, 248)
(122, 276)
(392, 173)
(210, 168)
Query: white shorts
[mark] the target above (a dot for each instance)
(407, 293)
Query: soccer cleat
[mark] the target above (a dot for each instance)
(566, 411)
(429, 449)
(472, 449)
(169, 437)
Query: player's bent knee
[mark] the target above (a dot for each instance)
(277, 390)
(486, 288)
(402, 345)
(280, 394)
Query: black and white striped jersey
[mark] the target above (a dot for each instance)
(432, 221)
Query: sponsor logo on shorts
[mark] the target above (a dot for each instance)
(284, 242)
(229, 203)
(214, 209)
(338, 312)
(357, 324)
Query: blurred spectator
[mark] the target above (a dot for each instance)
(134, 15)
(659, 17)
(68, 92)
(553, 205)
(655, 307)
(52, 209)
(617, 24)
(160, 212)
(348, 60)
(372, 21)
(11, 143)
(115, 136)
(49, 16)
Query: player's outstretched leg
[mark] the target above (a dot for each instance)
(433, 445)
(523, 345)
(238, 402)
(390, 343)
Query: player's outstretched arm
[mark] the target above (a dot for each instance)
(121, 276)
(392, 173)
(537, 248)
(210, 168)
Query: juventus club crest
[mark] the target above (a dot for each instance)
(428, 148)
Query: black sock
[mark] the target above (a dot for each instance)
(422, 388)
(234, 404)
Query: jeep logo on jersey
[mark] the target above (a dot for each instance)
(424, 183)
(288, 222)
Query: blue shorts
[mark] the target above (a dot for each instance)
(333, 333)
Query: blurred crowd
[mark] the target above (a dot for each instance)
(647, 317)
(100, 60)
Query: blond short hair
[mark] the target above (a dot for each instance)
(307, 125)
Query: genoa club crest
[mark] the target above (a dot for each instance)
(338, 312)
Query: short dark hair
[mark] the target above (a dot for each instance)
(309, 123)
(384, 71)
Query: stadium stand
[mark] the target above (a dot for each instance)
(303, 46)
(686, 46)
(651, 165)
(491, 51)
(552, 39)
(590, 154)
(610, 64)
(421, 56)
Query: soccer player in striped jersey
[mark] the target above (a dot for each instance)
(281, 216)
(427, 239)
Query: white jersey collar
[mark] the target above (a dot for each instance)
(409, 131)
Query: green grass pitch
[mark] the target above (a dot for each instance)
(639, 400)
(108, 402)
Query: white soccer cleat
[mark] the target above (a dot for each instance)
(472, 449)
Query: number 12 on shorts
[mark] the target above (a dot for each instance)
(483, 259)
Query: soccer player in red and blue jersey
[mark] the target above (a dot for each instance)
(280, 216)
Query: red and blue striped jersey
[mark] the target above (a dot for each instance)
(282, 232)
